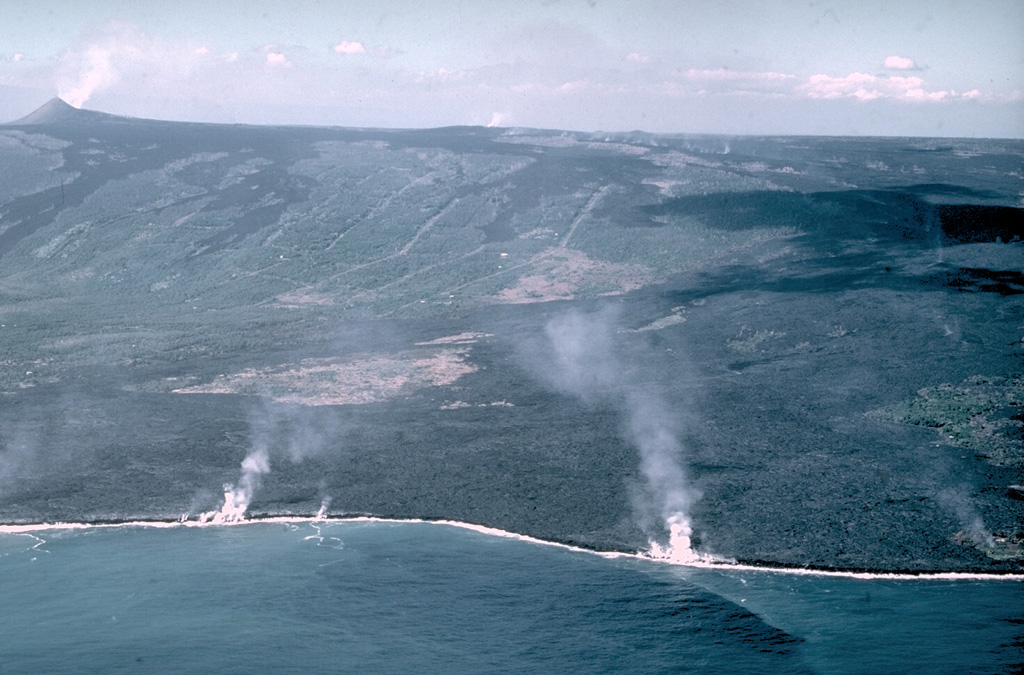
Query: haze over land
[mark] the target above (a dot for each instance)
(806, 351)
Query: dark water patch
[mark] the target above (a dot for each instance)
(971, 223)
(980, 280)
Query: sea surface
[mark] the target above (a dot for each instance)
(379, 596)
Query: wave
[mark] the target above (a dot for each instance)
(703, 562)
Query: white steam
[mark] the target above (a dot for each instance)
(668, 491)
(124, 58)
(86, 72)
(582, 358)
(972, 525)
(238, 496)
(325, 504)
(18, 451)
(293, 431)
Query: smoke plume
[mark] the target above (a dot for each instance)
(586, 357)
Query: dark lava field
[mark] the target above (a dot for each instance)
(821, 338)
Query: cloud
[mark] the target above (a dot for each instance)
(445, 76)
(349, 48)
(826, 86)
(858, 86)
(899, 63)
(16, 57)
(571, 80)
(725, 81)
(355, 47)
(574, 86)
(278, 59)
(912, 89)
(722, 74)
(867, 87)
(275, 55)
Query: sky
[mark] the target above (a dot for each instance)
(807, 67)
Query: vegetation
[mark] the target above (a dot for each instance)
(981, 414)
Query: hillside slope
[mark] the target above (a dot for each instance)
(376, 307)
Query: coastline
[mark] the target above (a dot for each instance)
(704, 561)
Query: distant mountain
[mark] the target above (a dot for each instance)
(57, 111)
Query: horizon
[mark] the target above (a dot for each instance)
(734, 69)
(19, 122)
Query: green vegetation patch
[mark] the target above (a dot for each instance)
(981, 413)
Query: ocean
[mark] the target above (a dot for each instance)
(385, 596)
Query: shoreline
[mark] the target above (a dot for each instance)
(703, 562)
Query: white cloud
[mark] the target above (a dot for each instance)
(725, 81)
(863, 94)
(867, 87)
(143, 75)
(278, 59)
(350, 48)
(573, 86)
(355, 47)
(826, 86)
(442, 75)
(912, 88)
(899, 63)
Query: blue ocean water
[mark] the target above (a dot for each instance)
(418, 597)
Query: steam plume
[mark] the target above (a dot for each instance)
(973, 526)
(668, 490)
(83, 73)
(237, 497)
(295, 432)
(582, 358)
